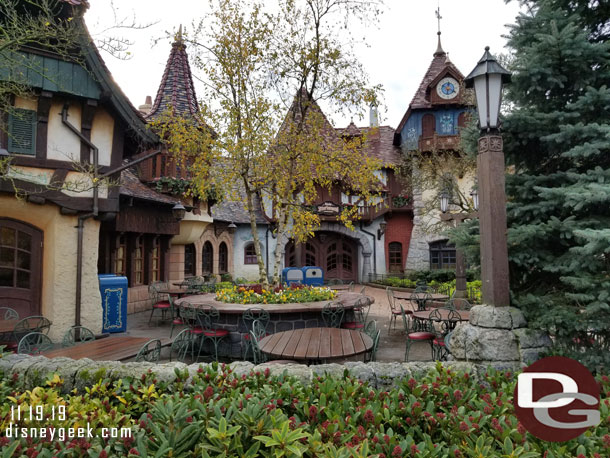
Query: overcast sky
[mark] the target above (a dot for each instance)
(400, 49)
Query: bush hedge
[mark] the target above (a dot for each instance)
(220, 414)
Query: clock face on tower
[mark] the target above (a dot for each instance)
(447, 88)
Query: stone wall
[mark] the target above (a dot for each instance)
(138, 299)
(84, 372)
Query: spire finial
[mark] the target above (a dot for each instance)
(178, 36)
(439, 49)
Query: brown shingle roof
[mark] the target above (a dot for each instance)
(176, 90)
(131, 186)
(379, 143)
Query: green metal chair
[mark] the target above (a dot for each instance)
(361, 310)
(443, 329)
(458, 304)
(351, 286)
(7, 313)
(362, 289)
(256, 334)
(372, 355)
(207, 315)
(416, 336)
(34, 343)
(421, 299)
(332, 314)
(159, 301)
(249, 317)
(77, 334)
(150, 352)
(371, 329)
(176, 318)
(181, 344)
(394, 309)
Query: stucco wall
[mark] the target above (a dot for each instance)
(62, 143)
(59, 264)
(242, 237)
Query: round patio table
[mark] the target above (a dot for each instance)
(314, 344)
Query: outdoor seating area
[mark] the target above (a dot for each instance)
(191, 328)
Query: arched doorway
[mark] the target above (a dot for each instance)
(335, 253)
(20, 266)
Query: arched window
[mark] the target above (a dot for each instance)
(207, 258)
(190, 254)
(395, 256)
(223, 258)
(428, 125)
(250, 254)
(442, 255)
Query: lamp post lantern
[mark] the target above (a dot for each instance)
(487, 78)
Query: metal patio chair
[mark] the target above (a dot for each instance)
(77, 334)
(34, 343)
(150, 352)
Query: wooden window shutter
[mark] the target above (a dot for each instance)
(22, 131)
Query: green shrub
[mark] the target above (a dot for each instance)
(223, 285)
(442, 414)
(226, 278)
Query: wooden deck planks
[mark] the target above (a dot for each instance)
(313, 349)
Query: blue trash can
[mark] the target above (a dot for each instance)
(114, 302)
(313, 276)
(292, 275)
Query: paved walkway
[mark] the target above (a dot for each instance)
(391, 344)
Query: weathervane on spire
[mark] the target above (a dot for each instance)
(439, 17)
(439, 48)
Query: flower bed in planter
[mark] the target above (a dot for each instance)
(217, 413)
(257, 294)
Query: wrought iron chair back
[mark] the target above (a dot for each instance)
(351, 286)
(258, 355)
(259, 329)
(370, 329)
(373, 353)
(458, 304)
(29, 324)
(34, 343)
(332, 314)
(207, 315)
(452, 320)
(181, 344)
(7, 313)
(77, 334)
(363, 289)
(362, 308)
(153, 291)
(421, 298)
(255, 314)
(150, 351)
(189, 314)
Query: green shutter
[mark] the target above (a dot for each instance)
(22, 131)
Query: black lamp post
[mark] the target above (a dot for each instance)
(487, 78)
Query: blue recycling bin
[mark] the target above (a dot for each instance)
(313, 276)
(114, 302)
(292, 275)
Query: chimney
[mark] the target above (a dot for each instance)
(373, 116)
(145, 109)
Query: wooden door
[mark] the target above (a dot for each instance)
(341, 260)
(20, 266)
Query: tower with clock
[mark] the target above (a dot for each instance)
(431, 125)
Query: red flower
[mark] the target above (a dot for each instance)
(397, 452)
(189, 419)
(133, 451)
(369, 417)
(313, 411)
(208, 393)
(463, 426)
(457, 394)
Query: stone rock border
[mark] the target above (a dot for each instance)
(85, 372)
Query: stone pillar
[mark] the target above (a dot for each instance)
(366, 266)
(497, 337)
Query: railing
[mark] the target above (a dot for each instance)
(439, 142)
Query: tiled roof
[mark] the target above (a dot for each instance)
(132, 186)
(234, 211)
(379, 143)
(176, 90)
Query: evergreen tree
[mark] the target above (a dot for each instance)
(557, 138)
